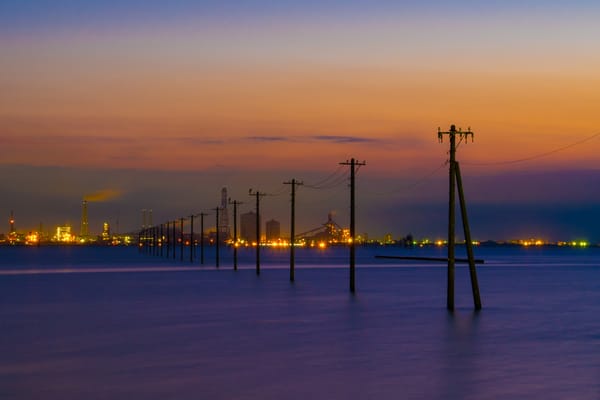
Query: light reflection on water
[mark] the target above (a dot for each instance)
(222, 335)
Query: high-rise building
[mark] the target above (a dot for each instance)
(224, 215)
(248, 227)
(105, 231)
(273, 230)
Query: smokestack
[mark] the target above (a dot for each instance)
(84, 232)
(11, 221)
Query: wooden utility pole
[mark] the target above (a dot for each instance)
(353, 164)
(455, 179)
(168, 238)
(192, 238)
(161, 239)
(258, 195)
(468, 241)
(217, 239)
(174, 240)
(293, 183)
(153, 240)
(182, 244)
(202, 237)
(235, 238)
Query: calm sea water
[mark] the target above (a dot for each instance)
(110, 323)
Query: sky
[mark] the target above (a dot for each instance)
(158, 105)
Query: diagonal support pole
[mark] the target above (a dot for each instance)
(468, 241)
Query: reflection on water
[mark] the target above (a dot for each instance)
(209, 334)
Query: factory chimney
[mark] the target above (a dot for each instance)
(85, 231)
(11, 221)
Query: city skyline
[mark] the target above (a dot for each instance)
(159, 107)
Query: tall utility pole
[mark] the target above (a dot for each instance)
(293, 184)
(217, 238)
(182, 242)
(353, 164)
(235, 243)
(202, 237)
(168, 238)
(174, 240)
(258, 196)
(455, 180)
(154, 241)
(161, 239)
(192, 238)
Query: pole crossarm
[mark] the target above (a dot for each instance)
(453, 132)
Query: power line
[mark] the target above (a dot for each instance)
(331, 180)
(537, 156)
(333, 184)
(419, 181)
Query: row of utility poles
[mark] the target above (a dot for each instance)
(154, 240)
(455, 183)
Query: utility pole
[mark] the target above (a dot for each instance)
(353, 164)
(168, 238)
(455, 179)
(192, 238)
(258, 196)
(154, 241)
(174, 240)
(161, 239)
(235, 243)
(202, 237)
(293, 184)
(181, 239)
(217, 238)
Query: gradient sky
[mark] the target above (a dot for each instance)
(163, 103)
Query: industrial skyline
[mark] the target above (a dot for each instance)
(158, 107)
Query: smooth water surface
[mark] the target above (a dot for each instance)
(136, 326)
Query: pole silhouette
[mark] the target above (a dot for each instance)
(174, 240)
(217, 238)
(153, 229)
(182, 242)
(168, 238)
(258, 195)
(161, 239)
(192, 238)
(353, 164)
(235, 244)
(293, 184)
(455, 180)
(202, 237)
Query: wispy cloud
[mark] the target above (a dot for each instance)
(195, 141)
(344, 139)
(268, 138)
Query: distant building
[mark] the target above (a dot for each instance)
(273, 230)
(105, 232)
(224, 216)
(248, 226)
(63, 234)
